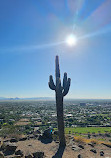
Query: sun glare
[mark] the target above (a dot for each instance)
(71, 40)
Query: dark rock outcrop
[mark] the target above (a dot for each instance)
(101, 153)
(93, 150)
(19, 152)
(28, 155)
(13, 140)
(38, 154)
(8, 148)
(47, 133)
(92, 145)
(108, 145)
(31, 136)
(81, 146)
(23, 139)
(7, 140)
(79, 156)
(76, 148)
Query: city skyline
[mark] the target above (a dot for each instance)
(32, 33)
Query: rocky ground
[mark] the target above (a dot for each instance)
(32, 148)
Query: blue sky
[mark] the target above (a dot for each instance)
(31, 35)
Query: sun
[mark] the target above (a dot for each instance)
(71, 40)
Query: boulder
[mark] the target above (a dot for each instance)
(47, 133)
(7, 140)
(79, 156)
(57, 141)
(93, 150)
(30, 145)
(81, 146)
(76, 148)
(8, 148)
(92, 145)
(31, 136)
(19, 152)
(23, 139)
(13, 140)
(108, 145)
(101, 153)
(38, 154)
(40, 137)
(36, 135)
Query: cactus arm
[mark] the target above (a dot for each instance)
(60, 91)
(65, 80)
(51, 83)
(66, 89)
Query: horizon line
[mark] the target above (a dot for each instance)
(48, 98)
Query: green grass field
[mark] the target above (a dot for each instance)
(85, 130)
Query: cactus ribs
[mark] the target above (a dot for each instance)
(60, 91)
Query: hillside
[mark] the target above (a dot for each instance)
(75, 148)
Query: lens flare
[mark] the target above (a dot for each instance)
(71, 40)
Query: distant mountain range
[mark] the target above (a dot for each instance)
(53, 98)
(33, 98)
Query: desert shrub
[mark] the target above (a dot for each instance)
(79, 139)
(9, 130)
(85, 140)
(94, 141)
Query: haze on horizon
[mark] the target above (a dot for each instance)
(32, 33)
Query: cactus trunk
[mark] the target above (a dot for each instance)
(60, 119)
(60, 91)
(59, 104)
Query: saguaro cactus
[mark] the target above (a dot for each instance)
(60, 91)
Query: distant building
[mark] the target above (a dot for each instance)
(69, 115)
(82, 104)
